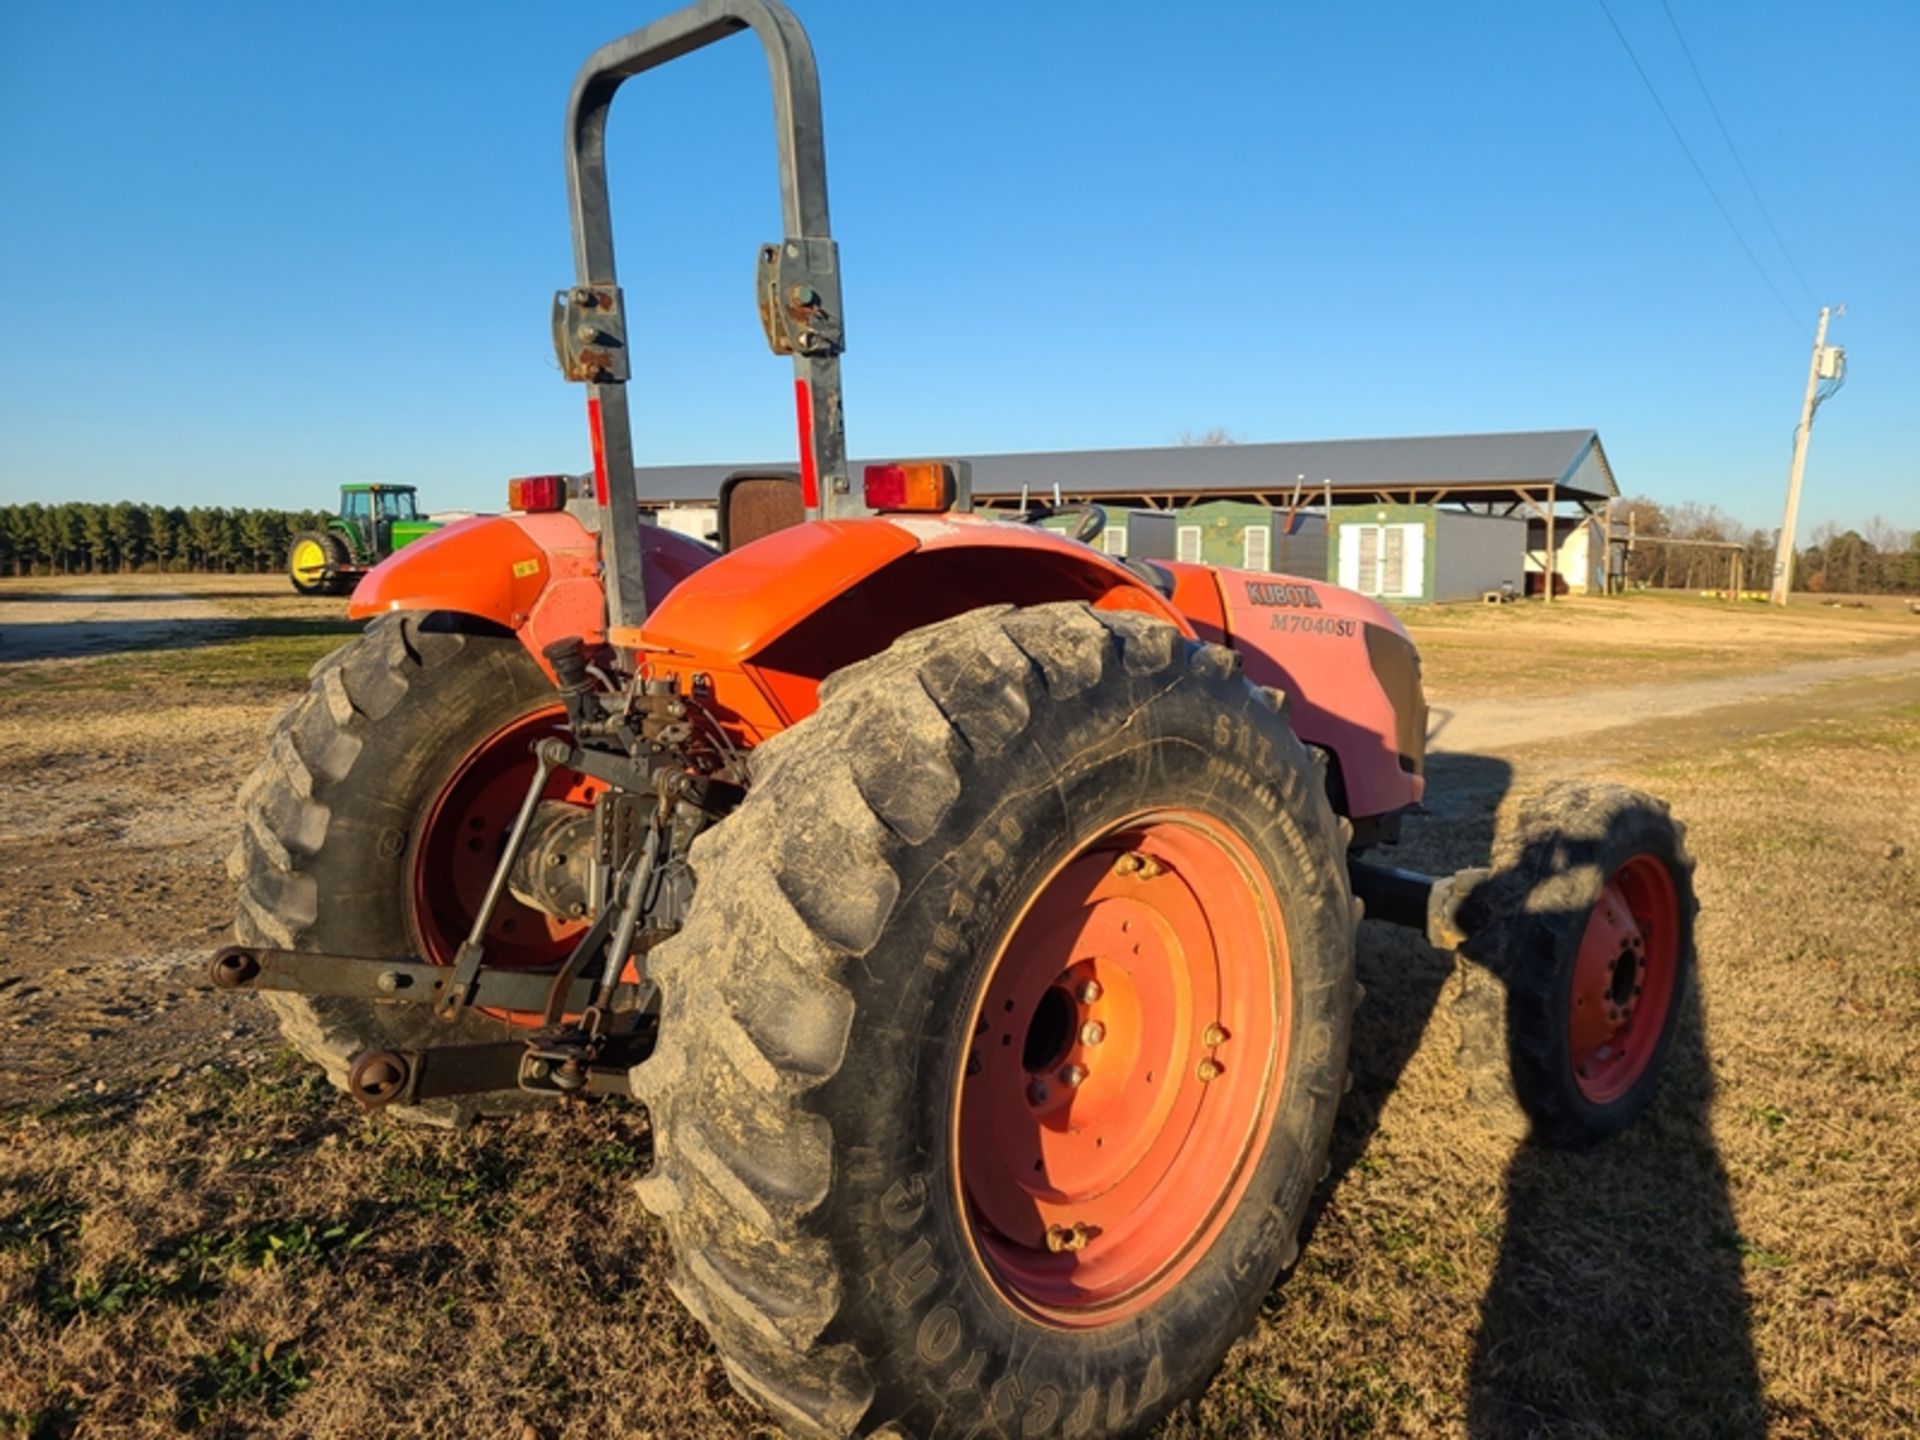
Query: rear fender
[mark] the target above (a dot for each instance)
(536, 575)
(795, 606)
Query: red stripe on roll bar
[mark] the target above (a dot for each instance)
(599, 451)
(809, 475)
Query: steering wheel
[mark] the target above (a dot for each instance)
(1093, 519)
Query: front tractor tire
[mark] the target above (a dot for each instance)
(1582, 943)
(999, 1056)
(371, 828)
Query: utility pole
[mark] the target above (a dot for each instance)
(1825, 365)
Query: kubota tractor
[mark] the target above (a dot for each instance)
(972, 913)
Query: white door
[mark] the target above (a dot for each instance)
(1384, 560)
(1113, 540)
(1349, 564)
(1187, 544)
(1393, 561)
(1256, 547)
(1367, 574)
(1413, 563)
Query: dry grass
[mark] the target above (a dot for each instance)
(1593, 644)
(1746, 1260)
(239, 1252)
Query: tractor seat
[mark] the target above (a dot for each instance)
(1156, 576)
(754, 503)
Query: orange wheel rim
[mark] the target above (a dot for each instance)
(1623, 979)
(461, 840)
(1124, 1069)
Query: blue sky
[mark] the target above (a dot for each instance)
(249, 251)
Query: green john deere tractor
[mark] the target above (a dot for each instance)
(374, 521)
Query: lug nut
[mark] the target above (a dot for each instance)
(1092, 1033)
(1215, 1034)
(1072, 1075)
(389, 980)
(1088, 992)
(1061, 1238)
(1134, 863)
(1209, 1069)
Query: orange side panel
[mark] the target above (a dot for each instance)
(1196, 595)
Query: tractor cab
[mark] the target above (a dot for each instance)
(369, 513)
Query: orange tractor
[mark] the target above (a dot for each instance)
(972, 913)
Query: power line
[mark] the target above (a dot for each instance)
(1734, 150)
(1687, 150)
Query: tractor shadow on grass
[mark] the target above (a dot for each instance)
(1617, 1304)
(80, 639)
(142, 589)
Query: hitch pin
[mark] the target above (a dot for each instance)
(466, 963)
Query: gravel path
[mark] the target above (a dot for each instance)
(1491, 726)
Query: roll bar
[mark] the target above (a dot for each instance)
(798, 278)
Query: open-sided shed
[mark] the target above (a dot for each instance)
(1561, 478)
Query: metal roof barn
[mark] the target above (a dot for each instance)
(1535, 466)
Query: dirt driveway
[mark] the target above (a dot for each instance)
(130, 710)
(65, 624)
(1509, 724)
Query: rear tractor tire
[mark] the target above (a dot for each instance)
(1582, 940)
(314, 560)
(999, 1056)
(373, 824)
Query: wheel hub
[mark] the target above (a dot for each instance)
(461, 839)
(1623, 979)
(1099, 1138)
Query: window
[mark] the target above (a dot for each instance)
(1187, 544)
(396, 504)
(1113, 540)
(356, 504)
(1256, 548)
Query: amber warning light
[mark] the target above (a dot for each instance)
(537, 492)
(916, 485)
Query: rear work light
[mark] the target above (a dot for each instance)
(917, 485)
(537, 492)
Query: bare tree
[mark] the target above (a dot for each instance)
(1885, 537)
(1218, 435)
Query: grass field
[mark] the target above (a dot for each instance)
(197, 1236)
(1596, 644)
